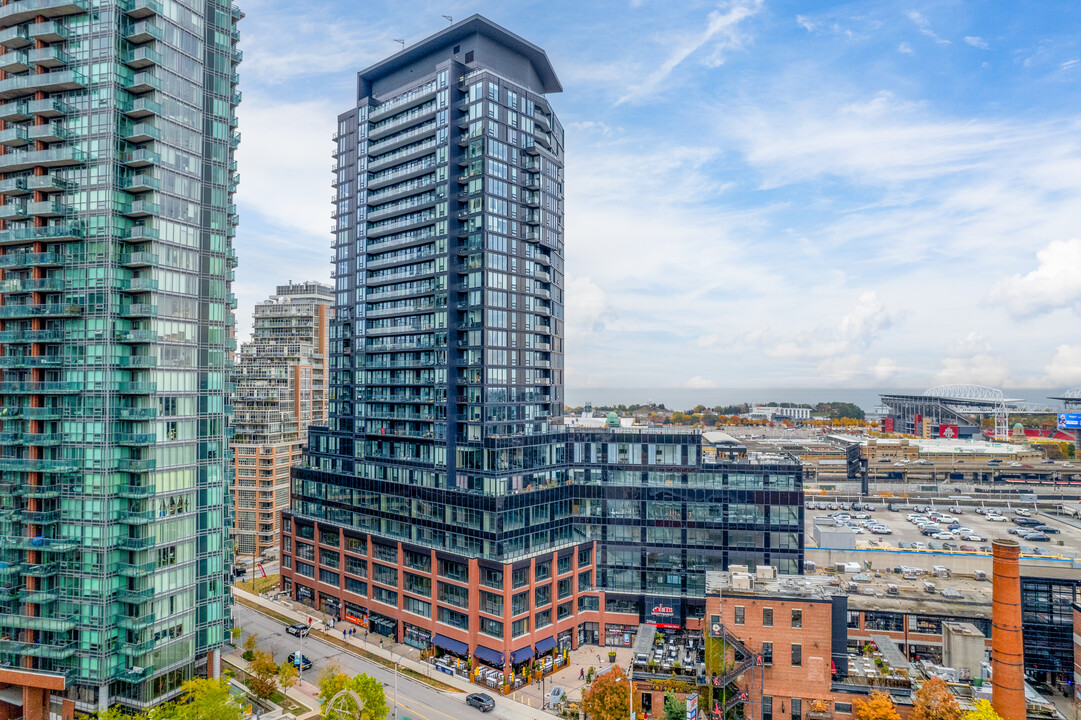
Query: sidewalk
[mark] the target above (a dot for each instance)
(303, 692)
(522, 705)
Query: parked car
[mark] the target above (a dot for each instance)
(943, 536)
(1046, 529)
(919, 546)
(995, 517)
(1026, 521)
(300, 661)
(481, 701)
(1023, 512)
(1037, 537)
(933, 546)
(949, 546)
(903, 545)
(299, 629)
(893, 507)
(956, 509)
(881, 530)
(968, 548)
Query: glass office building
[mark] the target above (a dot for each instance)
(445, 502)
(117, 133)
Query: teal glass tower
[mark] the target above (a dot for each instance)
(117, 135)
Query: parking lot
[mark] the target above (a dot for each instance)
(907, 536)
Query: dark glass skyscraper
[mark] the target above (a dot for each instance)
(446, 503)
(117, 132)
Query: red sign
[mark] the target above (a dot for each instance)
(363, 622)
(663, 610)
(950, 432)
(916, 425)
(887, 424)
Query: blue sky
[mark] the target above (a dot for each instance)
(759, 193)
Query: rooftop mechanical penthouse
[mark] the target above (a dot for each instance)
(445, 502)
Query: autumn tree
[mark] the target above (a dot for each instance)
(287, 676)
(607, 698)
(934, 701)
(333, 680)
(200, 700)
(250, 646)
(263, 675)
(983, 711)
(877, 707)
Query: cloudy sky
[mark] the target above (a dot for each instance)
(759, 193)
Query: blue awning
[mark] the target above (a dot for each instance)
(489, 656)
(455, 646)
(545, 645)
(522, 655)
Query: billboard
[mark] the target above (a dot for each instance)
(664, 612)
(887, 424)
(1069, 421)
(948, 432)
(692, 707)
(715, 627)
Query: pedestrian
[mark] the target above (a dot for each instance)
(581, 673)
(380, 644)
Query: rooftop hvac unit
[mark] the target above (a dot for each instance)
(809, 566)
(891, 589)
(765, 572)
(929, 587)
(737, 569)
(742, 581)
(979, 574)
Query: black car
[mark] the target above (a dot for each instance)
(1037, 537)
(481, 701)
(304, 663)
(1046, 529)
(299, 629)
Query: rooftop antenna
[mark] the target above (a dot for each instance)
(449, 19)
(400, 42)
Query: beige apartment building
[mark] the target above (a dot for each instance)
(280, 381)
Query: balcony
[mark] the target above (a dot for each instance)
(14, 37)
(19, 542)
(49, 107)
(143, 82)
(140, 9)
(142, 208)
(43, 466)
(49, 132)
(45, 233)
(136, 597)
(139, 284)
(138, 310)
(136, 336)
(41, 570)
(44, 310)
(130, 465)
(40, 388)
(138, 260)
(50, 57)
(20, 11)
(143, 32)
(141, 57)
(141, 107)
(14, 112)
(53, 157)
(141, 233)
(58, 81)
(51, 31)
(134, 492)
(141, 362)
(136, 388)
(142, 132)
(135, 439)
(141, 182)
(16, 260)
(30, 336)
(49, 208)
(140, 157)
(14, 62)
(142, 517)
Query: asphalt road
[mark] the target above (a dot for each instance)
(416, 701)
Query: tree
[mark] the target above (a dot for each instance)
(115, 713)
(200, 700)
(250, 646)
(607, 698)
(333, 680)
(878, 707)
(983, 711)
(674, 708)
(288, 676)
(263, 671)
(934, 701)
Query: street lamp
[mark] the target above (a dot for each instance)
(395, 683)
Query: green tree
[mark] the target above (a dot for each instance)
(201, 700)
(250, 646)
(983, 711)
(674, 708)
(333, 680)
(607, 697)
(288, 676)
(263, 671)
(115, 713)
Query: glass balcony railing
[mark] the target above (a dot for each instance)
(143, 32)
(46, 310)
(49, 107)
(135, 571)
(57, 81)
(52, 157)
(19, 542)
(50, 31)
(141, 8)
(20, 11)
(14, 37)
(141, 57)
(13, 260)
(33, 622)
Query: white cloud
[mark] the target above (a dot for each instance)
(976, 42)
(588, 308)
(924, 26)
(904, 48)
(700, 383)
(989, 370)
(722, 32)
(806, 23)
(1069, 64)
(1064, 369)
(1054, 284)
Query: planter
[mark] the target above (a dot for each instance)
(611, 658)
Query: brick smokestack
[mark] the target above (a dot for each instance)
(1007, 649)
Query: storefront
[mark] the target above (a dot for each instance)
(330, 605)
(356, 614)
(417, 637)
(305, 595)
(619, 635)
(382, 625)
(491, 658)
(522, 662)
(564, 639)
(589, 633)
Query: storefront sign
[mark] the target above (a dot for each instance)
(692, 707)
(663, 612)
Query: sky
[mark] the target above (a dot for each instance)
(758, 193)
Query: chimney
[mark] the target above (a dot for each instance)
(1007, 648)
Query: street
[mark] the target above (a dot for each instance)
(416, 701)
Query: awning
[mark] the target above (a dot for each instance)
(522, 655)
(545, 645)
(455, 646)
(489, 656)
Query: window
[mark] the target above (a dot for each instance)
(520, 627)
(305, 551)
(797, 709)
(739, 615)
(356, 566)
(329, 537)
(491, 603)
(519, 603)
(329, 558)
(417, 607)
(287, 561)
(453, 595)
(520, 577)
(588, 603)
(387, 597)
(564, 589)
(385, 575)
(564, 565)
(767, 653)
(418, 561)
(542, 596)
(767, 617)
(453, 618)
(797, 655)
(491, 578)
(543, 619)
(385, 553)
(563, 611)
(585, 581)
(328, 577)
(797, 618)
(454, 570)
(488, 626)
(585, 557)
(305, 569)
(287, 524)
(853, 619)
(926, 624)
(356, 586)
(767, 707)
(888, 621)
(843, 708)
(356, 545)
(418, 584)
(544, 570)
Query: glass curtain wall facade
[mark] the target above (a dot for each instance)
(445, 502)
(117, 133)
